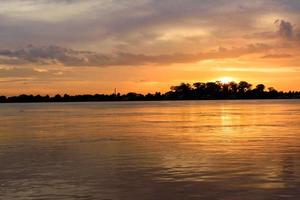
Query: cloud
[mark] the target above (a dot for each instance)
(55, 55)
(276, 56)
(285, 29)
(44, 10)
(262, 35)
(112, 23)
(24, 75)
(22, 72)
(258, 69)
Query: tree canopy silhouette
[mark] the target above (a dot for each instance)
(184, 91)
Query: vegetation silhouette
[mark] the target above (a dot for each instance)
(185, 91)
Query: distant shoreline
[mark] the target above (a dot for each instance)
(120, 101)
(183, 92)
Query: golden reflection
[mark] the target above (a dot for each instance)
(240, 144)
(226, 120)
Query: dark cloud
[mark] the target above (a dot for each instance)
(285, 29)
(55, 55)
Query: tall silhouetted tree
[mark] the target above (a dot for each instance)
(199, 89)
(243, 87)
(213, 89)
(260, 88)
(233, 87)
(183, 91)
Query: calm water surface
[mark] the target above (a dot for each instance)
(151, 150)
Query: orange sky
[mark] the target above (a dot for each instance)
(91, 46)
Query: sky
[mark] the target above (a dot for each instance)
(95, 46)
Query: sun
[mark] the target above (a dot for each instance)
(225, 79)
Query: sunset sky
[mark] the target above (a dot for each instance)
(94, 46)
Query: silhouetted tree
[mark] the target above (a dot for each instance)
(272, 92)
(260, 88)
(2, 99)
(57, 98)
(258, 92)
(243, 87)
(233, 87)
(184, 91)
(199, 90)
(213, 89)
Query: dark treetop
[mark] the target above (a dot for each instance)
(184, 91)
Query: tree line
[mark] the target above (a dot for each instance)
(184, 91)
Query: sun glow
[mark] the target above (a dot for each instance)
(225, 80)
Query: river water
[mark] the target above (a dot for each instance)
(227, 150)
